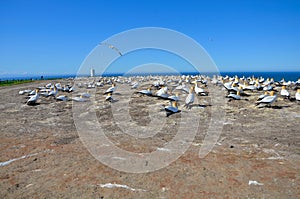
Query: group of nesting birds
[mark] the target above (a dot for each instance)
(169, 88)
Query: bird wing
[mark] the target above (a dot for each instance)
(189, 99)
(267, 99)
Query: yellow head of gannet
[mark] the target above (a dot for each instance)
(283, 87)
(238, 93)
(174, 104)
(272, 93)
(298, 90)
(192, 89)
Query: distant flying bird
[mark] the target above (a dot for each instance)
(112, 47)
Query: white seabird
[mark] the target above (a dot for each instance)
(33, 99)
(268, 100)
(174, 97)
(145, 92)
(111, 89)
(190, 98)
(297, 95)
(171, 109)
(284, 92)
(198, 90)
(234, 96)
(62, 98)
(79, 99)
(262, 96)
(109, 98)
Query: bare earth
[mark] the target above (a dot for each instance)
(256, 144)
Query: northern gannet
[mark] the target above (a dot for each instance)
(62, 98)
(234, 96)
(135, 85)
(268, 87)
(227, 85)
(190, 98)
(112, 47)
(33, 92)
(198, 90)
(162, 93)
(297, 95)
(53, 92)
(262, 96)
(268, 100)
(33, 99)
(79, 99)
(109, 98)
(171, 109)
(284, 92)
(58, 86)
(246, 87)
(145, 92)
(85, 95)
(111, 89)
(182, 87)
(174, 97)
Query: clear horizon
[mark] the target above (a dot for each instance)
(54, 37)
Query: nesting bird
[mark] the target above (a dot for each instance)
(109, 98)
(145, 92)
(62, 98)
(297, 95)
(268, 100)
(111, 89)
(262, 96)
(171, 109)
(236, 96)
(284, 93)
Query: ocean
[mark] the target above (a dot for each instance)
(288, 76)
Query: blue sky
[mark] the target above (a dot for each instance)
(54, 37)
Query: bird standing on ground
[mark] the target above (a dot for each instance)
(33, 99)
(198, 90)
(53, 92)
(190, 98)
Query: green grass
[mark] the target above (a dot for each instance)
(14, 82)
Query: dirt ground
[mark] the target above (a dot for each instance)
(256, 156)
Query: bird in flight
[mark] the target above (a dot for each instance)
(112, 47)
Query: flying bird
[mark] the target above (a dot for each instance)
(112, 47)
